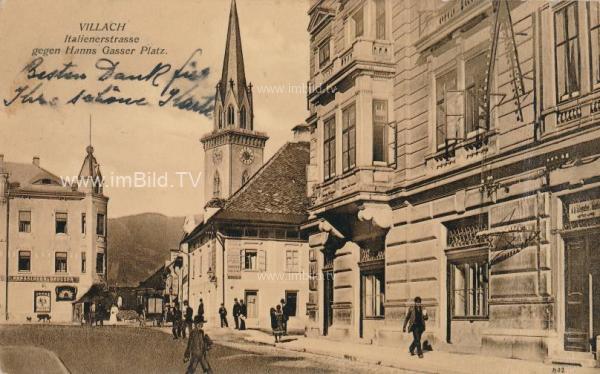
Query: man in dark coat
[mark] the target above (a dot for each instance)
(197, 349)
(415, 319)
(189, 318)
(176, 322)
(286, 315)
(236, 313)
(201, 310)
(243, 315)
(223, 315)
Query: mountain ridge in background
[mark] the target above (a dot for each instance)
(139, 244)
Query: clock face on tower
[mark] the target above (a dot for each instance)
(246, 155)
(217, 156)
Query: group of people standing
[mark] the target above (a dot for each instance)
(240, 313)
(183, 319)
(280, 316)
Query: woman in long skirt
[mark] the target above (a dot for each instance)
(278, 330)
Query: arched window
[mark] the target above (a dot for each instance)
(243, 118)
(230, 115)
(220, 119)
(216, 185)
(245, 177)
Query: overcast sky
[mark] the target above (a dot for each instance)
(146, 138)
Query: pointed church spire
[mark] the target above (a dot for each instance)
(90, 167)
(233, 62)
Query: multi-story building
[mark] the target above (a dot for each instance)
(247, 244)
(453, 158)
(54, 239)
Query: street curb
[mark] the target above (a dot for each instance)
(352, 358)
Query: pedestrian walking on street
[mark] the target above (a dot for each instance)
(236, 313)
(223, 315)
(197, 349)
(176, 322)
(243, 315)
(286, 315)
(201, 310)
(415, 319)
(189, 318)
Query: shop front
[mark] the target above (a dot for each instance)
(581, 236)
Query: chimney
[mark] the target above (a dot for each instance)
(1, 159)
(36, 161)
(301, 132)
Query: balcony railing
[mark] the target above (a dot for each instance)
(373, 179)
(452, 15)
(365, 51)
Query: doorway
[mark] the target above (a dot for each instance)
(582, 292)
(251, 299)
(328, 300)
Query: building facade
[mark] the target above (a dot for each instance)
(452, 158)
(247, 245)
(54, 239)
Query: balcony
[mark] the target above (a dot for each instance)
(363, 54)
(435, 25)
(349, 186)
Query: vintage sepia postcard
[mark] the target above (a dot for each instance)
(299, 186)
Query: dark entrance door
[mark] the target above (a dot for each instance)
(327, 300)
(582, 291)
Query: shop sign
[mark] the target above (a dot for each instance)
(584, 210)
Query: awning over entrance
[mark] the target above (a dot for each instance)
(95, 293)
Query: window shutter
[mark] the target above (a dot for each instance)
(233, 263)
(262, 261)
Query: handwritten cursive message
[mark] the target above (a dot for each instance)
(177, 85)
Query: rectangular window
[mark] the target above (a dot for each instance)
(292, 263)
(83, 262)
(359, 23)
(61, 223)
(24, 260)
(24, 221)
(324, 53)
(83, 223)
(470, 289)
(594, 14)
(380, 19)
(380, 126)
(329, 148)
(373, 294)
(100, 224)
(60, 262)
(567, 52)
(250, 260)
(100, 263)
(443, 84)
(291, 302)
(349, 138)
(475, 76)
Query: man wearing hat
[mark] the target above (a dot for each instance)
(415, 318)
(197, 348)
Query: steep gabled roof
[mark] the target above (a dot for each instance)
(276, 193)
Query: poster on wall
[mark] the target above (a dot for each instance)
(42, 302)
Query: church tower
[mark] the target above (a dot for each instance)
(233, 151)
